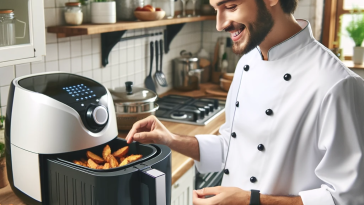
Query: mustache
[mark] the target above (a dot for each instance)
(231, 27)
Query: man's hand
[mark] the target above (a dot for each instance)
(221, 196)
(150, 130)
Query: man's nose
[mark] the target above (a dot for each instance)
(221, 21)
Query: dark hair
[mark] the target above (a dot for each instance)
(288, 6)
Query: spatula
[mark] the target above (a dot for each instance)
(159, 75)
(149, 80)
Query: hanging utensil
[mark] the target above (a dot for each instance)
(149, 81)
(159, 75)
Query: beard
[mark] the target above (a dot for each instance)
(258, 30)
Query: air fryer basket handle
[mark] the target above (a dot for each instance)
(156, 182)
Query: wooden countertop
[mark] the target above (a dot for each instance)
(180, 163)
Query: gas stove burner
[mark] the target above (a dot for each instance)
(176, 108)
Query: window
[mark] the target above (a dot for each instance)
(336, 18)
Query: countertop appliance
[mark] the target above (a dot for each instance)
(183, 109)
(52, 119)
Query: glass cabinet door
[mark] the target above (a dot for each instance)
(18, 19)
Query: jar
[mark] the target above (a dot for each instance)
(73, 13)
(7, 28)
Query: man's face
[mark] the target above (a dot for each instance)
(247, 21)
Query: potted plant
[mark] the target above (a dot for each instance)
(103, 11)
(3, 176)
(355, 30)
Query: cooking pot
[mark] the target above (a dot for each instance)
(186, 72)
(132, 104)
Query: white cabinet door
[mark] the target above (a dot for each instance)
(27, 29)
(183, 187)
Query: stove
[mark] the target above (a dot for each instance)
(188, 110)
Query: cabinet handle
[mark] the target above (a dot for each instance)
(176, 186)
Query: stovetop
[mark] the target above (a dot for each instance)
(176, 108)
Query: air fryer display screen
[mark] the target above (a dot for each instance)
(67, 88)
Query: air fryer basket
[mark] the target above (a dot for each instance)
(147, 151)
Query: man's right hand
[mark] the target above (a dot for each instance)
(150, 130)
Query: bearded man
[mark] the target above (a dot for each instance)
(293, 132)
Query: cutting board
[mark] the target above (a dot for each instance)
(216, 91)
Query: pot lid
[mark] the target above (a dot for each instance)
(130, 94)
(187, 57)
(6, 11)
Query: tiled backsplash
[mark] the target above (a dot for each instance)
(129, 60)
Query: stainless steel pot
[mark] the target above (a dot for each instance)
(186, 72)
(125, 9)
(133, 104)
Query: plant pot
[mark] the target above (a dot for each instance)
(103, 12)
(358, 56)
(3, 174)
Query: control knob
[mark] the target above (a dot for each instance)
(97, 115)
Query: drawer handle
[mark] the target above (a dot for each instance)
(176, 186)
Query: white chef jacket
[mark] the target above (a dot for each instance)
(314, 138)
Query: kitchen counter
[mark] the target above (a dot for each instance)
(180, 163)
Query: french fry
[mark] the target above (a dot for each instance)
(106, 152)
(133, 157)
(95, 158)
(113, 162)
(79, 163)
(121, 159)
(84, 161)
(100, 167)
(124, 162)
(92, 164)
(107, 166)
(121, 152)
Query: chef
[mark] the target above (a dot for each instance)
(294, 129)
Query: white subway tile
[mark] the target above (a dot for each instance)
(22, 69)
(51, 37)
(131, 68)
(138, 78)
(97, 76)
(130, 78)
(123, 80)
(123, 70)
(75, 38)
(4, 95)
(114, 56)
(107, 84)
(84, 37)
(52, 52)
(96, 44)
(115, 83)
(138, 65)
(87, 74)
(65, 39)
(123, 56)
(6, 75)
(38, 67)
(76, 65)
(52, 66)
(49, 3)
(64, 50)
(114, 72)
(138, 52)
(86, 47)
(130, 54)
(76, 48)
(50, 17)
(3, 110)
(60, 16)
(86, 63)
(65, 65)
(96, 60)
(122, 45)
(106, 74)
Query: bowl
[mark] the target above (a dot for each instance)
(228, 76)
(149, 16)
(225, 84)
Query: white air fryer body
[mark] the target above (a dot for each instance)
(49, 117)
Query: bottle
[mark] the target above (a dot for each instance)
(73, 13)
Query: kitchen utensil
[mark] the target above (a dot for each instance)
(125, 9)
(149, 80)
(7, 28)
(159, 75)
(149, 16)
(206, 66)
(74, 124)
(132, 104)
(186, 72)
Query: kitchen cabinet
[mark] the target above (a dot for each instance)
(22, 36)
(183, 187)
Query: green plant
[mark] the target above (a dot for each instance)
(355, 28)
(2, 150)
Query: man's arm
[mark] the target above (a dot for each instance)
(151, 130)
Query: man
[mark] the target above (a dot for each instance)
(294, 116)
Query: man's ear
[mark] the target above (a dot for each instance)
(271, 3)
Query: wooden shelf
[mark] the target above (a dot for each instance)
(350, 64)
(89, 29)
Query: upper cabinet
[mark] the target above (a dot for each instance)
(22, 31)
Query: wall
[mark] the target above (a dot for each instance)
(128, 61)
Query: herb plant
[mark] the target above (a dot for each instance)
(355, 28)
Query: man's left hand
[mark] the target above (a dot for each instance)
(221, 196)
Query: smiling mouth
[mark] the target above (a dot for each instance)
(239, 31)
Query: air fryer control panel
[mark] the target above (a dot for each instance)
(80, 93)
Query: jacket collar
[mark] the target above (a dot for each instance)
(295, 42)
